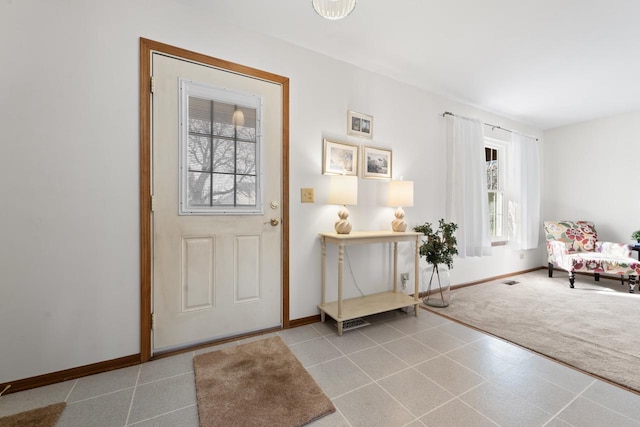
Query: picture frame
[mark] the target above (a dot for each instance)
(359, 124)
(376, 163)
(339, 158)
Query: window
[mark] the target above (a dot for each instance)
(220, 151)
(495, 157)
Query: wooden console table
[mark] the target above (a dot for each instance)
(371, 304)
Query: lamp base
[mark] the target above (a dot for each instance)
(343, 226)
(399, 224)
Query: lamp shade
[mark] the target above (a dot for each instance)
(343, 190)
(400, 193)
(333, 9)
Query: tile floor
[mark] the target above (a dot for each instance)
(399, 371)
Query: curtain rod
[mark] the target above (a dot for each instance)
(448, 113)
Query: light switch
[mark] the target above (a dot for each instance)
(306, 195)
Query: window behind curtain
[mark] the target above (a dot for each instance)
(495, 168)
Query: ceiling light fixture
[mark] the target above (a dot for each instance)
(333, 9)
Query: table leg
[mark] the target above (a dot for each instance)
(416, 277)
(323, 274)
(395, 266)
(340, 264)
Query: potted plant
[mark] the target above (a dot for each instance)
(438, 248)
(636, 236)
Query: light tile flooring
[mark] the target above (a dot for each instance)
(399, 371)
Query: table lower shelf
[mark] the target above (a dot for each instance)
(366, 306)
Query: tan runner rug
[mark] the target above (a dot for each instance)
(260, 383)
(594, 327)
(41, 417)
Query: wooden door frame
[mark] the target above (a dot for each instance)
(147, 48)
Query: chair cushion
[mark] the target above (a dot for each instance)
(601, 263)
(579, 236)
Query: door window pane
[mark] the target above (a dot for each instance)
(220, 146)
(199, 153)
(199, 189)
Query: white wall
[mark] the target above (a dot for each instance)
(589, 175)
(69, 259)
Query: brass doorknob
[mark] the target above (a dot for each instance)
(273, 222)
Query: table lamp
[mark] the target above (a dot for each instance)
(343, 190)
(400, 194)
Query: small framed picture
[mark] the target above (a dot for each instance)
(339, 158)
(376, 163)
(359, 124)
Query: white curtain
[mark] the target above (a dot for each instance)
(467, 197)
(523, 192)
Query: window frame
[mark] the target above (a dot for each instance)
(190, 88)
(501, 147)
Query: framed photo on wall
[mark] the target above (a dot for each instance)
(339, 158)
(376, 163)
(359, 124)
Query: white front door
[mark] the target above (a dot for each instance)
(216, 186)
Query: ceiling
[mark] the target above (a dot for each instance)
(547, 63)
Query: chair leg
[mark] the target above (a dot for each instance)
(632, 283)
(622, 279)
(550, 270)
(596, 276)
(572, 278)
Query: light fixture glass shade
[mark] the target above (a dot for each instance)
(238, 117)
(400, 194)
(343, 190)
(333, 9)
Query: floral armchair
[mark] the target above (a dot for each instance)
(574, 246)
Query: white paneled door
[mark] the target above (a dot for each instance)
(216, 190)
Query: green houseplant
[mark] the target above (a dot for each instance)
(438, 248)
(636, 236)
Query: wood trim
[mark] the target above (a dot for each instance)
(285, 205)
(305, 321)
(147, 47)
(70, 374)
(488, 279)
(145, 200)
(502, 276)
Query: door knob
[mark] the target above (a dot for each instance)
(273, 222)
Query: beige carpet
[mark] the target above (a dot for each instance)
(595, 328)
(41, 417)
(260, 383)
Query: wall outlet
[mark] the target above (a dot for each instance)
(306, 195)
(404, 277)
(521, 255)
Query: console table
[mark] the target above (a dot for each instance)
(371, 304)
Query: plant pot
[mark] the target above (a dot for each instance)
(436, 279)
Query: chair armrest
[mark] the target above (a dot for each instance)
(614, 250)
(557, 252)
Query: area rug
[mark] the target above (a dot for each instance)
(260, 383)
(594, 327)
(41, 417)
